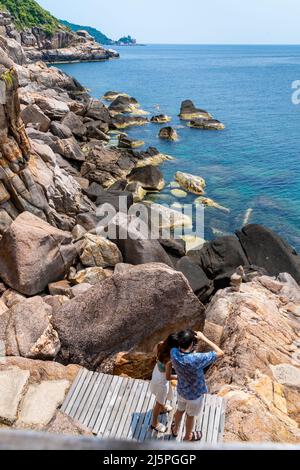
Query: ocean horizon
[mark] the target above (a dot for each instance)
(252, 167)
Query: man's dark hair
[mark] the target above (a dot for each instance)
(186, 338)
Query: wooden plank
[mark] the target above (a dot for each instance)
(216, 427)
(99, 399)
(81, 394)
(95, 383)
(147, 422)
(143, 413)
(125, 416)
(100, 426)
(82, 405)
(72, 390)
(222, 421)
(120, 399)
(76, 391)
(206, 411)
(136, 405)
(131, 384)
(99, 385)
(211, 420)
(201, 415)
(168, 435)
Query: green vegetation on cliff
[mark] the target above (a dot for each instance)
(28, 14)
(99, 37)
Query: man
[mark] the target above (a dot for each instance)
(189, 366)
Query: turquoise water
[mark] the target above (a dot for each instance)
(254, 163)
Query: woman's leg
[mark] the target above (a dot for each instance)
(158, 408)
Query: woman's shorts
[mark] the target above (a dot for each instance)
(161, 387)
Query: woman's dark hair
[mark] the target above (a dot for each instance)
(186, 338)
(164, 349)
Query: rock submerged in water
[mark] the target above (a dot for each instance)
(160, 119)
(122, 122)
(191, 183)
(150, 177)
(123, 104)
(137, 190)
(153, 157)
(205, 201)
(188, 112)
(126, 142)
(207, 124)
(112, 95)
(168, 133)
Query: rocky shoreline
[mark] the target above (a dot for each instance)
(33, 44)
(71, 297)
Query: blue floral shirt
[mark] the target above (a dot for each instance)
(189, 369)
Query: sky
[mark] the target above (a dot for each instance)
(187, 21)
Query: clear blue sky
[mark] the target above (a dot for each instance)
(187, 21)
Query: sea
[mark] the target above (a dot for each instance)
(252, 167)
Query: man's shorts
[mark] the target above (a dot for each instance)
(191, 407)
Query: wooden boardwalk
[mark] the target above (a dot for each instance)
(120, 408)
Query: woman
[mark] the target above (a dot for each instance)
(160, 383)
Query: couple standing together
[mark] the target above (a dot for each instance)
(178, 359)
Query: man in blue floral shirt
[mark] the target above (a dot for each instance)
(189, 366)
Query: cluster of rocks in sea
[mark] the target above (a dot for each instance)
(71, 297)
(198, 118)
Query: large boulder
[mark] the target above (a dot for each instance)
(26, 330)
(60, 130)
(149, 176)
(33, 254)
(198, 280)
(106, 165)
(52, 107)
(160, 119)
(33, 115)
(266, 249)
(131, 310)
(220, 257)
(168, 133)
(126, 142)
(120, 200)
(122, 122)
(112, 95)
(188, 111)
(98, 251)
(68, 148)
(259, 374)
(97, 110)
(191, 183)
(74, 122)
(136, 245)
(207, 124)
(123, 104)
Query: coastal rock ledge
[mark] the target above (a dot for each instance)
(259, 375)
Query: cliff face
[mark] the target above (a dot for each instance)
(26, 181)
